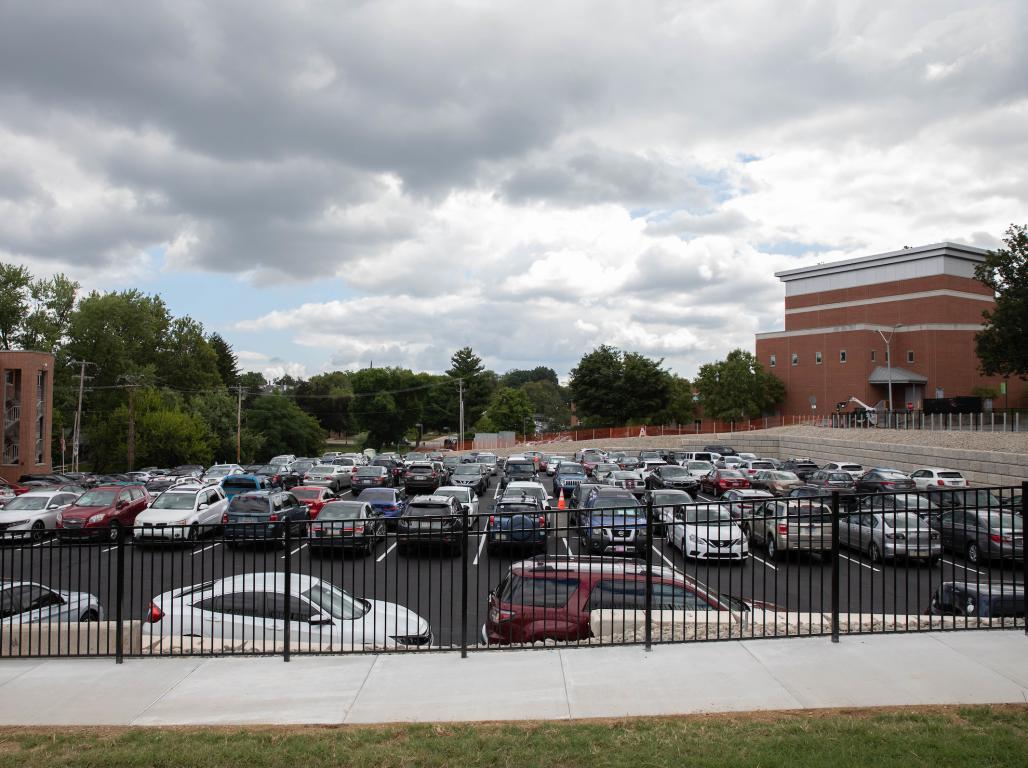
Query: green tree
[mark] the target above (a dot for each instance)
(595, 385)
(52, 303)
(549, 402)
(284, 427)
(680, 408)
(253, 384)
(1002, 345)
(518, 377)
(14, 304)
(187, 360)
(327, 397)
(645, 387)
(509, 409)
(737, 388)
(387, 402)
(479, 384)
(228, 363)
(217, 410)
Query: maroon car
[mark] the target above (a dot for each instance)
(314, 496)
(718, 481)
(100, 512)
(550, 598)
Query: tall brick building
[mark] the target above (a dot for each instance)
(924, 299)
(26, 383)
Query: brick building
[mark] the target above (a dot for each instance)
(838, 316)
(26, 379)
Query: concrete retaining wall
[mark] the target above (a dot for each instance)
(979, 467)
(70, 639)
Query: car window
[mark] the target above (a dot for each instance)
(539, 593)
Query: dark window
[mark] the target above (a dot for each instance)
(874, 356)
(539, 593)
(910, 355)
(774, 361)
(10, 603)
(630, 594)
(817, 358)
(33, 598)
(842, 355)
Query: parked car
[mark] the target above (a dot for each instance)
(250, 608)
(568, 476)
(518, 469)
(978, 599)
(466, 497)
(698, 469)
(388, 501)
(675, 477)
(612, 525)
(665, 503)
(490, 460)
(721, 450)
(534, 489)
(369, 477)
(421, 477)
(276, 474)
(516, 522)
(631, 481)
(791, 525)
(707, 532)
(750, 467)
(431, 521)
(314, 497)
(883, 480)
(394, 466)
(605, 470)
(551, 463)
(775, 481)
(978, 499)
(833, 480)
(937, 477)
(890, 536)
(717, 481)
(347, 525)
(262, 516)
(102, 512)
(982, 536)
(34, 514)
(474, 476)
(219, 472)
(335, 477)
(236, 484)
(28, 602)
(741, 502)
(850, 468)
(802, 468)
(182, 513)
(551, 597)
(914, 503)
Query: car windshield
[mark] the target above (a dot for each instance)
(606, 467)
(249, 504)
(378, 494)
(174, 501)
(335, 602)
(785, 477)
(567, 468)
(218, 471)
(626, 475)
(674, 472)
(730, 473)
(303, 466)
(839, 477)
(902, 520)
(706, 466)
(27, 503)
(472, 470)
(307, 494)
(341, 510)
(268, 469)
(707, 515)
(460, 494)
(96, 499)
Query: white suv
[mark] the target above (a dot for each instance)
(183, 512)
(937, 477)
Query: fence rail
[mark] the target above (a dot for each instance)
(619, 572)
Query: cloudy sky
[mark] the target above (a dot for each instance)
(332, 183)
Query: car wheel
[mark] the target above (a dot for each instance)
(772, 548)
(974, 554)
(38, 531)
(874, 553)
(90, 614)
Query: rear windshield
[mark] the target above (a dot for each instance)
(418, 510)
(421, 467)
(761, 465)
(239, 482)
(539, 593)
(839, 477)
(460, 494)
(370, 472)
(784, 476)
(952, 475)
(307, 494)
(516, 509)
(377, 494)
(521, 466)
(248, 504)
(566, 468)
(851, 467)
(341, 510)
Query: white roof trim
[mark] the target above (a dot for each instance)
(872, 327)
(953, 250)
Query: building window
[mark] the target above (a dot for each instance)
(817, 358)
(40, 415)
(874, 356)
(11, 446)
(910, 355)
(774, 360)
(795, 359)
(842, 356)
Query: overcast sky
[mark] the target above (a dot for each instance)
(332, 183)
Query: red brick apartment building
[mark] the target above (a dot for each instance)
(838, 315)
(27, 386)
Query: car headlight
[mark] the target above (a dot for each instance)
(692, 537)
(97, 518)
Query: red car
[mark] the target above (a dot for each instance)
(100, 512)
(550, 598)
(9, 490)
(718, 481)
(314, 496)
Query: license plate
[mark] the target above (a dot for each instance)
(620, 549)
(420, 477)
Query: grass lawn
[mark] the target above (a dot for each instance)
(936, 736)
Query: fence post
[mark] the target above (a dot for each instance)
(649, 573)
(835, 566)
(464, 587)
(1024, 560)
(289, 586)
(119, 589)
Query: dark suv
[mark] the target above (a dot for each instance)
(262, 516)
(421, 476)
(518, 469)
(802, 468)
(550, 597)
(616, 525)
(431, 520)
(516, 523)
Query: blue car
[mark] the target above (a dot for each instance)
(388, 501)
(516, 523)
(617, 529)
(567, 477)
(233, 485)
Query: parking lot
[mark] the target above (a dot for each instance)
(431, 583)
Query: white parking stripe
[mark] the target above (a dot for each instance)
(481, 545)
(765, 562)
(293, 551)
(496, 493)
(860, 563)
(566, 545)
(961, 565)
(670, 564)
(385, 554)
(209, 546)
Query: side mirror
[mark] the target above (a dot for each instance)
(320, 620)
(202, 505)
(121, 504)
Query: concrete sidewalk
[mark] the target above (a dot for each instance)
(929, 668)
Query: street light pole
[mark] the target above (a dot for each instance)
(888, 357)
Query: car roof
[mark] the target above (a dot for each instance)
(462, 488)
(431, 498)
(41, 492)
(599, 565)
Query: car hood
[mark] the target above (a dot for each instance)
(715, 530)
(163, 515)
(74, 511)
(619, 521)
(10, 515)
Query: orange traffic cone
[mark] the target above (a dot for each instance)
(560, 500)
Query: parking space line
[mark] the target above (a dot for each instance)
(961, 565)
(481, 545)
(209, 546)
(566, 545)
(662, 557)
(294, 551)
(860, 563)
(385, 554)
(496, 493)
(765, 562)
(46, 543)
(105, 551)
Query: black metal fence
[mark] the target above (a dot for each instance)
(644, 570)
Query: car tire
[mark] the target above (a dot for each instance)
(874, 553)
(974, 554)
(90, 614)
(38, 532)
(772, 548)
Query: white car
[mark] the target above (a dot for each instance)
(183, 512)
(697, 468)
(552, 462)
(851, 469)
(219, 472)
(707, 532)
(937, 477)
(463, 494)
(750, 467)
(748, 456)
(34, 513)
(251, 609)
(26, 602)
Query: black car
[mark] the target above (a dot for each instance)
(294, 475)
(431, 521)
(603, 496)
(985, 600)
(394, 466)
(673, 477)
(977, 499)
(278, 475)
(724, 450)
(518, 469)
(802, 468)
(884, 481)
(262, 516)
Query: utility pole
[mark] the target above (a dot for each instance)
(78, 414)
(888, 359)
(239, 423)
(460, 397)
(132, 383)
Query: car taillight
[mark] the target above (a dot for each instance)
(273, 518)
(888, 482)
(492, 519)
(408, 473)
(224, 518)
(154, 615)
(783, 528)
(542, 521)
(277, 479)
(392, 508)
(996, 538)
(941, 482)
